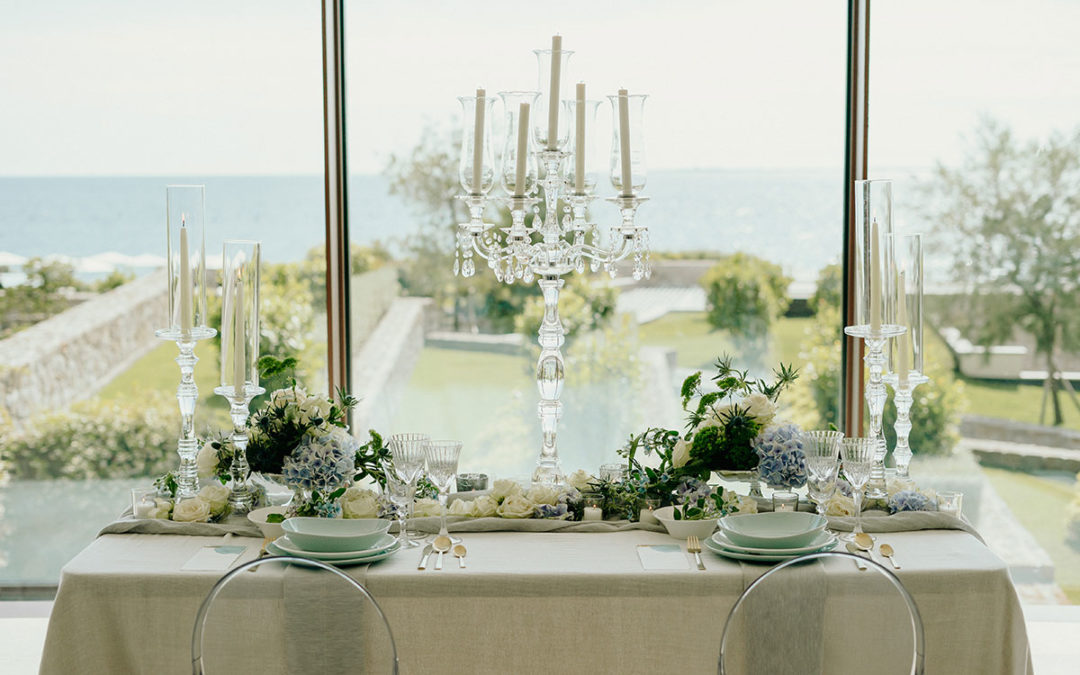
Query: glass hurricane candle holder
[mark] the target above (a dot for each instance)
(628, 138)
(476, 168)
(185, 259)
(551, 128)
(584, 171)
(519, 171)
(239, 356)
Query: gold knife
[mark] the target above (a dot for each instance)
(425, 555)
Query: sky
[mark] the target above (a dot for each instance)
(132, 87)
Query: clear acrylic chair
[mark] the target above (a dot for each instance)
(379, 619)
(819, 613)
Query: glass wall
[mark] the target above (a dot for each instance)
(105, 105)
(745, 148)
(974, 116)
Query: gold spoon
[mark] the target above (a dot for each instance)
(857, 552)
(459, 551)
(864, 541)
(887, 551)
(442, 545)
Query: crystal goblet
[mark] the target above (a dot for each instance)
(442, 463)
(858, 457)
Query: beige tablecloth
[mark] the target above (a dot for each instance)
(527, 603)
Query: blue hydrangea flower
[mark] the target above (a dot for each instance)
(911, 500)
(690, 489)
(781, 459)
(322, 462)
(571, 496)
(553, 511)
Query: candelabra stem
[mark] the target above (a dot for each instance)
(241, 497)
(876, 395)
(903, 396)
(187, 393)
(550, 372)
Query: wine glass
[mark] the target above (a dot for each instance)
(442, 463)
(858, 457)
(822, 464)
(409, 452)
(400, 494)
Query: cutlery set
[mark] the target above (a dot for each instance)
(863, 546)
(441, 545)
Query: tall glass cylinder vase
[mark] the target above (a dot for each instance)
(875, 306)
(551, 128)
(628, 140)
(186, 320)
(587, 165)
(240, 356)
(906, 351)
(519, 170)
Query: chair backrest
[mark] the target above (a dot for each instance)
(204, 609)
(823, 617)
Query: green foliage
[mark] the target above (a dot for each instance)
(312, 269)
(95, 439)
(45, 293)
(830, 288)
(369, 457)
(1011, 216)
(167, 484)
(115, 279)
(745, 295)
(712, 506)
(655, 482)
(278, 427)
(584, 305)
(934, 414)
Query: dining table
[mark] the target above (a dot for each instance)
(557, 601)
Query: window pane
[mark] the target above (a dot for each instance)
(731, 170)
(974, 120)
(104, 106)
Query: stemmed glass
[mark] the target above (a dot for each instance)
(400, 494)
(858, 457)
(442, 463)
(822, 464)
(409, 452)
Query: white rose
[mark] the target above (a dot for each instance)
(542, 494)
(839, 505)
(206, 461)
(359, 503)
(162, 509)
(485, 506)
(217, 496)
(193, 510)
(898, 484)
(463, 507)
(314, 407)
(580, 480)
(680, 454)
(427, 507)
(516, 506)
(283, 397)
(504, 488)
(747, 505)
(760, 407)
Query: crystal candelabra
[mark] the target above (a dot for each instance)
(545, 249)
(903, 395)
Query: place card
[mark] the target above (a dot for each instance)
(213, 558)
(662, 557)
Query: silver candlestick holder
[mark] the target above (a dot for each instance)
(903, 396)
(876, 395)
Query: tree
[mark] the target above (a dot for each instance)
(1011, 215)
(745, 295)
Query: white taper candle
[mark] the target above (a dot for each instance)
(875, 278)
(624, 143)
(553, 95)
(185, 282)
(579, 141)
(478, 143)
(522, 150)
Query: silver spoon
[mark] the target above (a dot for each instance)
(459, 552)
(857, 552)
(887, 551)
(442, 545)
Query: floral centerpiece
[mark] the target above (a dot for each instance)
(210, 505)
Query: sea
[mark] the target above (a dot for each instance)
(791, 217)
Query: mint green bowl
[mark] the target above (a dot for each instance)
(335, 535)
(781, 529)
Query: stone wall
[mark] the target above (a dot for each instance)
(72, 355)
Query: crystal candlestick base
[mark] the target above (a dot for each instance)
(187, 394)
(876, 394)
(903, 395)
(241, 496)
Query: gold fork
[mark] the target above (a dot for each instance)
(262, 552)
(693, 545)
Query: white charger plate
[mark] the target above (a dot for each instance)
(823, 538)
(383, 543)
(358, 560)
(759, 557)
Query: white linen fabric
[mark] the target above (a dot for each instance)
(526, 603)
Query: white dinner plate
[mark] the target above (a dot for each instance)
(760, 557)
(823, 538)
(341, 562)
(289, 546)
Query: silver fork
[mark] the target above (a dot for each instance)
(693, 545)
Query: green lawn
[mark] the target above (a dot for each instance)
(158, 372)
(1039, 504)
(697, 344)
